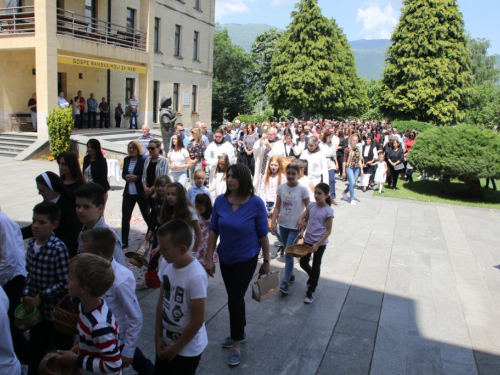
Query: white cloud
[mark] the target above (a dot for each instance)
(378, 23)
(226, 7)
(277, 3)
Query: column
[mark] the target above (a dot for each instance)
(46, 62)
(147, 19)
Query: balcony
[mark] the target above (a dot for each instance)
(17, 20)
(94, 30)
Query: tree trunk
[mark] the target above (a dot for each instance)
(475, 185)
(307, 115)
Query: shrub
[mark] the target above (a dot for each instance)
(245, 118)
(60, 126)
(466, 152)
(412, 125)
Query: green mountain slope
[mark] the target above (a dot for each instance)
(369, 54)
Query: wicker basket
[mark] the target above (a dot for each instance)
(298, 250)
(51, 366)
(66, 316)
(26, 316)
(136, 260)
(152, 279)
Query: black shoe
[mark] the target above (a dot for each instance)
(281, 251)
(292, 279)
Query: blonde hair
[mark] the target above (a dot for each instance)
(137, 145)
(93, 271)
(196, 133)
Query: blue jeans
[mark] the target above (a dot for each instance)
(133, 120)
(352, 176)
(331, 176)
(270, 207)
(288, 236)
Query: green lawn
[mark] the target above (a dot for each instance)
(455, 192)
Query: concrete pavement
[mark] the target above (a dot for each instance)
(406, 288)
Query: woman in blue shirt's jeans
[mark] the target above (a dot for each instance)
(239, 218)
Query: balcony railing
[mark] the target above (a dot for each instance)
(17, 20)
(92, 29)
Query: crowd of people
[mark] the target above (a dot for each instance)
(197, 199)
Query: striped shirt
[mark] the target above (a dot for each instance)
(98, 350)
(47, 273)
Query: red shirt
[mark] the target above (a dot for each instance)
(81, 100)
(408, 144)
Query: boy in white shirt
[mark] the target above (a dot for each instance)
(121, 300)
(180, 331)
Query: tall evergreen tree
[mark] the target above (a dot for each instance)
(313, 70)
(428, 72)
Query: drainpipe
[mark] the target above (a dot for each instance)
(108, 91)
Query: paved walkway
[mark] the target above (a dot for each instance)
(406, 288)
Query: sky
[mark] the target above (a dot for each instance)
(360, 19)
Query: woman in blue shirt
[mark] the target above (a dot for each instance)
(239, 218)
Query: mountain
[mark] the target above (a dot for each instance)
(369, 54)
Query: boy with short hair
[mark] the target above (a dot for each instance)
(198, 187)
(90, 276)
(47, 260)
(121, 300)
(89, 209)
(180, 331)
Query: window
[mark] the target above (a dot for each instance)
(197, 4)
(156, 94)
(177, 41)
(195, 45)
(130, 20)
(129, 89)
(195, 94)
(176, 97)
(157, 35)
(90, 13)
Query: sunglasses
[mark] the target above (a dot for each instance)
(151, 148)
(180, 130)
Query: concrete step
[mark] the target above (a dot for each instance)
(8, 154)
(12, 147)
(16, 140)
(29, 136)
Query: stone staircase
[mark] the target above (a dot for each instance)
(12, 144)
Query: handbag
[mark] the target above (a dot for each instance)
(266, 286)
(399, 166)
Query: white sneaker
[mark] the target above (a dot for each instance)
(353, 201)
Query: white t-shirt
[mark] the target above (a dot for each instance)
(292, 204)
(180, 287)
(178, 158)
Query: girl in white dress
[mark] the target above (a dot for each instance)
(381, 172)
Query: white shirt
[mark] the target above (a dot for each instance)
(9, 364)
(12, 259)
(132, 190)
(118, 253)
(178, 158)
(63, 103)
(180, 287)
(123, 303)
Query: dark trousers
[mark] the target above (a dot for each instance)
(14, 290)
(494, 184)
(128, 204)
(331, 177)
(178, 366)
(118, 121)
(79, 120)
(140, 363)
(393, 177)
(91, 115)
(104, 119)
(40, 337)
(236, 278)
(314, 271)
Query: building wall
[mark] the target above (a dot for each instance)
(17, 61)
(17, 83)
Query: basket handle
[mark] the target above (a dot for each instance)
(296, 238)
